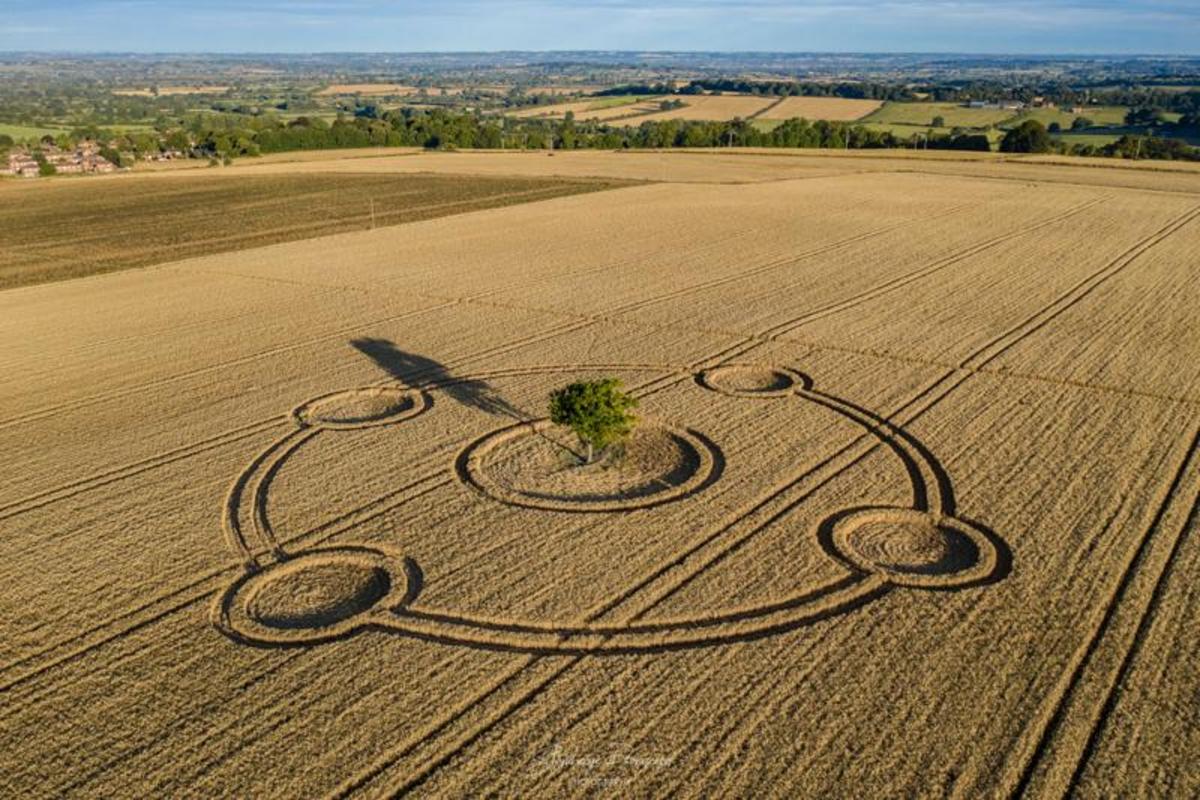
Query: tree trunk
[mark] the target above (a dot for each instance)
(589, 452)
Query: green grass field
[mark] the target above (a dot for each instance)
(618, 100)
(21, 133)
(953, 114)
(57, 229)
(1094, 139)
(904, 132)
(1099, 115)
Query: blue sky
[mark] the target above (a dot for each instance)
(975, 26)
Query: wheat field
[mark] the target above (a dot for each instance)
(916, 512)
(835, 109)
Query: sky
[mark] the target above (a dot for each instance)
(1169, 27)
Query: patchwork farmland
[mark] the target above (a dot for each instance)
(916, 511)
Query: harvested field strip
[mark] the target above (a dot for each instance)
(834, 109)
(440, 303)
(175, 217)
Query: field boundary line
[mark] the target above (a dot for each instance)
(554, 190)
(898, 170)
(758, 114)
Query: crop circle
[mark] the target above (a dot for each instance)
(316, 596)
(912, 548)
(361, 408)
(536, 465)
(752, 380)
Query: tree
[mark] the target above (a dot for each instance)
(1028, 137)
(1143, 116)
(1081, 123)
(1054, 128)
(597, 411)
(939, 122)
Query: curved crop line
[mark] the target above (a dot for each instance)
(230, 518)
(261, 525)
(770, 619)
(931, 484)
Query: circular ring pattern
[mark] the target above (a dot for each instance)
(910, 547)
(331, 592)
(365, 407)
(319, 595)
(753, 380)
(695, 460)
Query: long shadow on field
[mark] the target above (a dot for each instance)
(416, 370)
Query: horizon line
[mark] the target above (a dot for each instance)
(940, 53)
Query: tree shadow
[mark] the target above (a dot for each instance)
(416, 370)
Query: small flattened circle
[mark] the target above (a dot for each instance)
(361, 408)
(752, 380)
(316, 596)
(312, 594)
(910, 547)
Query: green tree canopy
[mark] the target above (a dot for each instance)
(597, 411)
(1028, 137)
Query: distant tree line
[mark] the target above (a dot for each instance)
(221, 137)
(777, 88)
(442, 129)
